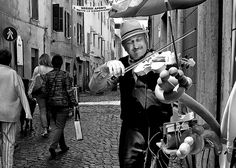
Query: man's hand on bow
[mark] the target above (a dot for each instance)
(116, 68)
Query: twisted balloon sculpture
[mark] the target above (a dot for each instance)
(171, 86)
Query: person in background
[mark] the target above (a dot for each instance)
(57, 88)
(12, 99)
(142, 113)
(43, 68)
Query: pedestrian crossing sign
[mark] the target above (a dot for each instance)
(10, 33)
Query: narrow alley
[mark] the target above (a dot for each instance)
(98, 149)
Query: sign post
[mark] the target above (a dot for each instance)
(10, 34)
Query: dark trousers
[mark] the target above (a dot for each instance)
(133, 147)
(60, 116)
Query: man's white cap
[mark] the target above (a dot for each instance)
(130, 28)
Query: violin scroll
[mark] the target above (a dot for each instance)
(187, 62)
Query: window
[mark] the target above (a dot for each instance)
(117, 26)
(34, 5)
(67, 24)
(88, 41)
(80, 3)
(68, 67)
(98, 42)
(79, 33)
(94, 40)
(57, 18)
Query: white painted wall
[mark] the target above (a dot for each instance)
(92, 22)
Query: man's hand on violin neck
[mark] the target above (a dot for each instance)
(116, 68)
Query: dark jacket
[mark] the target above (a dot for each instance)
(58, 83)
(139, 105)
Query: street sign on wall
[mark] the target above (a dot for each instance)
(9, 33)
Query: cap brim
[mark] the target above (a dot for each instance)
(128, 35)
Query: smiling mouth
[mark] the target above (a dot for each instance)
(137, 50)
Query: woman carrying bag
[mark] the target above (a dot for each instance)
(43, 68)
(57, 88)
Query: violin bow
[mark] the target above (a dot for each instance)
(159, 50)
(171, 31)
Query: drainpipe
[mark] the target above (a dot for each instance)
(233, 61)
(101, 35)
(219, 72)
(72, 40)
(44, 40)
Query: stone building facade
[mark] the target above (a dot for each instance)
(54, 27)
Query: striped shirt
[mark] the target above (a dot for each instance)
(57, 83)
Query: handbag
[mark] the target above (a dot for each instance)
(72, 97)
(36, 84)
(78, 129)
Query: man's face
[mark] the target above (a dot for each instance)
(136, 46)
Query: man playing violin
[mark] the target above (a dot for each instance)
(142, 113)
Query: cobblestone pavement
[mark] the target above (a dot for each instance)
(98, 149)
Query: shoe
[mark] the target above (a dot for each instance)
(53, 153)
(45, 133)
(64, 150)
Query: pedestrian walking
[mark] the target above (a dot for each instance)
(57, 88)
(142, 113)
(12, 99)
(43, 68)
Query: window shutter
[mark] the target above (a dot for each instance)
(35, 9)
(68, 24)
(81, 34)
(88, 41)
(65, 23)
(78, 33)
(56, 17)
(60, 19)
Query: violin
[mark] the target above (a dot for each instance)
(159, 62)
(132, 66)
